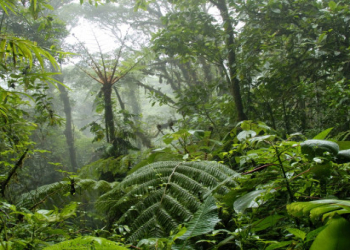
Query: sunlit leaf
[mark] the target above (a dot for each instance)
(247, 201)
(334, 237)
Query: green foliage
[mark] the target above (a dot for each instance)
(319, 208)
(160, 196)
(192, 144)
(110, 166)
(334, 236)
(87, 242)
(203, 221)
(291, 60)
(22, 229)
(247, 201)
(313, 148)
(61, 191)
(188, 34)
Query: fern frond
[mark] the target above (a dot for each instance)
(147, 214)
(175, 208)
(102, 186)
(141, 206)
(107, 200)
(185, 197)
(166, 220)
(42, 193)
(56, 191)
(156, 198)
(145, 230)
(203, 221)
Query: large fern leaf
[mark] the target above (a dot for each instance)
(203, 221)
(156, 198)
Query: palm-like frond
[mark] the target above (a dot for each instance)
(203, 221)
(43, 193)
(156, 198)
(56, 191)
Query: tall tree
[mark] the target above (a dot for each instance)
(211, 48)
(108, 72)
(230, 43)
(187, 66)
(68, 132)
(294, 52)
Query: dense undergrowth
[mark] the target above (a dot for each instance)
(258, 191)
(180, 134)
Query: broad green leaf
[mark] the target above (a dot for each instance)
(322, 37)
(317, 212)
(266, 222)
(343, 145)
(48, 6)
(312, 234)
(332, 5)
(334, 237)
(262, 138)
(197, 133)
(247, 201)
(278, 245)
(245, 134)
(316, 209)
(323, 134)
(68, 210)
(6, 245)
(275, 10)
(203, 221)
(298, 233)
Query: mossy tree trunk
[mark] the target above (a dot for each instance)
(68, 132)
(109, 117)
(234, 84)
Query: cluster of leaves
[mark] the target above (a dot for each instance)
(23, 229)
(254, 212)
(248, 189)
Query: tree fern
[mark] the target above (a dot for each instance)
(156, 198)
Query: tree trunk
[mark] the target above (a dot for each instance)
(68, 132)
(121, 103)
(230, 40)
(109, 118)
(120, 146)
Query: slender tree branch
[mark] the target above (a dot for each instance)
(155, 91)
(122, 105)
(12, 172)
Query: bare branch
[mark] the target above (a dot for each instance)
(96, 68)
(12, 172)
(149, 88)
(102, 57)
